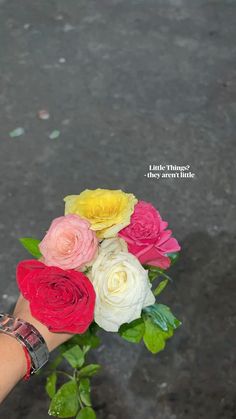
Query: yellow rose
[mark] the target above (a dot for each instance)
(108, 211)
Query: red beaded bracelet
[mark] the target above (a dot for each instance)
(28, 361)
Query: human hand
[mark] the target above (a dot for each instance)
(53, 340)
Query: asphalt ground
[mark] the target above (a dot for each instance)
(128, 85)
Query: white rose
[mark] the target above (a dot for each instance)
(122, 288)
(116, 244)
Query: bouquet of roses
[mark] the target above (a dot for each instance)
(95, 269)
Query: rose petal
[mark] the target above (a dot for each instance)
(62, 300)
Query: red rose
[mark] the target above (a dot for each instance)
(62, 300)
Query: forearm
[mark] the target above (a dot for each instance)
(13, 364)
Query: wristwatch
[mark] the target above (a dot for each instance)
(28, 336)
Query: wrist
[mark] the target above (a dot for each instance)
(13, 354)
(42, 329)
(31, 340)
(53, 340)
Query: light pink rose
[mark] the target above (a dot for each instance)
(147, 237)
(69, 243)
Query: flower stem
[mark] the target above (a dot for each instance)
(65, 373)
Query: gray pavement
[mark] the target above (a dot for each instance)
(129, 84)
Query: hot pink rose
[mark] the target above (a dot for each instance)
(147, 237)
(69, 243)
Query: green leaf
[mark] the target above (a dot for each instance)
(161, 286)
(155, 338)
(32, 245)
(51, 385)
(65, 403)
(88, 339)
(153, 272)
(173, 257)
(161, 315)
(74, 356)
(84, 391)
(94, 328)
(133, 332)
(86, 413)
(89, 370)
(84, 340)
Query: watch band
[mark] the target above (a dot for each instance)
(29, 336)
